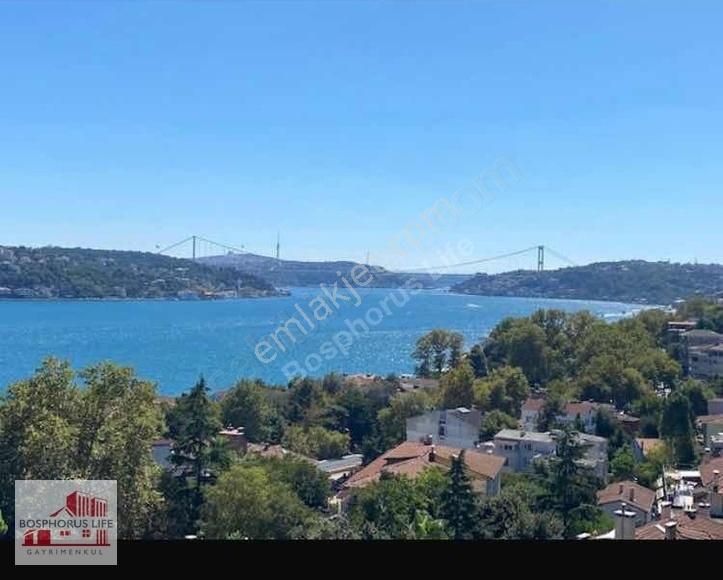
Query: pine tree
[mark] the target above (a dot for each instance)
(194, 424)
(459, 508)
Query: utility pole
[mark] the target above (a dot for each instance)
(540, 258)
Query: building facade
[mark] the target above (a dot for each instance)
(451, 427)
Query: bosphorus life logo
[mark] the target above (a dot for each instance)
(66, 522)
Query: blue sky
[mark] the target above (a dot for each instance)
(132, 124)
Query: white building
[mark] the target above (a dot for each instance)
(521, 449)
(582, 411)
(706, 362)
(451, 427)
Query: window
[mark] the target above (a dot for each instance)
(442, 430)
(86, 533)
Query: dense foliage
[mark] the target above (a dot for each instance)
(629, 281)
(52, 272)
(103, 428)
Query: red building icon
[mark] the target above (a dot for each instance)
(77, 505)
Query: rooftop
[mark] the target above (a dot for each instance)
(343, 464)
(411, 458)
(628, 491)
(520, 435)
(699, 333)
(708, 467)
(689, 527)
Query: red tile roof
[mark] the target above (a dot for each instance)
(701, 527)
(533, 405)
(642, 498)
(708, 467)
(411, 458)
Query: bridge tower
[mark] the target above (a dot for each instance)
(540, 258)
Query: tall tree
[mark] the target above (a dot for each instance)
(458, 387)
(623, 464)
(247, 502)
(102, 431)
(504, 389)
(246, 405)
(571, 487)
(459, 508)
(478, 360)
(194, 424)
(437, 350)
(676, 427)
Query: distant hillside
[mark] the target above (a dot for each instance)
(52, 272)
(630, 281)
(297, 273)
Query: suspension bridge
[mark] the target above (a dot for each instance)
(196, 247)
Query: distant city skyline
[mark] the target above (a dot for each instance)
(134, 125)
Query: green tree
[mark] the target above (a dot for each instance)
(425, 527)
(676, 427)
(652, 466)
(316, 442)
(246, 405)
(309, 484)
(478, 360)
(457, 387)
(697, 394)
(504, 389)
(386, 509)
(521, 343)
(118, 422)
(571, 487)
(306, 398)
(436, 350)
(247, 502)
(392, 420)
(494, 421)
(459, 509)
(3, 526)
(194, 424)
(552, 408)
(101, 431)
(509, 517)
(623, 464)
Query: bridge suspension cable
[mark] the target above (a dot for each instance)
(435, 268)
(470, 263)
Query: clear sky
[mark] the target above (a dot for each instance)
(131, 124)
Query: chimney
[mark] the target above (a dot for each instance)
(671, 530)
(632, 494)
(624, 523)
(432, 455)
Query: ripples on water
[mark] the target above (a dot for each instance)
(173, 342)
